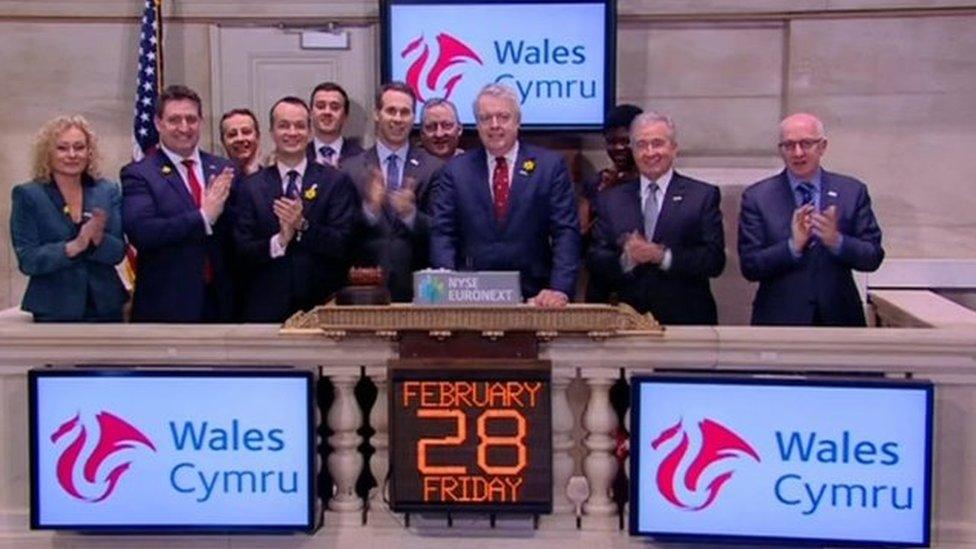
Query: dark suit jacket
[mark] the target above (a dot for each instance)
(313, 267)
(541, 237)
(169, 234)
(85, 287)
(689, 224)
(389, 243)
(350, 149)
(819, 285)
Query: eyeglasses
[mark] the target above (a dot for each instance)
(806, 144)
(502, 117)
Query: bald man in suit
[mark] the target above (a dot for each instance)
(802, 232)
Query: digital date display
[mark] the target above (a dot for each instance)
(471, 439)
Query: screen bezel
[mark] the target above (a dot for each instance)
(35, 374)
(609, 66)
(855, 383)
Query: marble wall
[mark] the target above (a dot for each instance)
(892, 79)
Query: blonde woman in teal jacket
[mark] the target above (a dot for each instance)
(66, 229)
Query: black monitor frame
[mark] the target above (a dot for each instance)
(33, 375)
(610, 54)
(839, 382)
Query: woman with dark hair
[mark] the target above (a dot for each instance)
(616, 134)
(66, 229)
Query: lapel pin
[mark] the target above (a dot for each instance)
(677, 198)
(167, 170)
(413, 162)
(832, 194)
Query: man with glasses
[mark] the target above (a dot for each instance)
(508, 206)
(801, 233)
(440, 129)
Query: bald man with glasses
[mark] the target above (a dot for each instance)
(802, 232)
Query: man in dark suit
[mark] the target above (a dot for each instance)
(293, 223)
(394, 180)
(659, 236)
(508, 206)
(801, 232)
(330, 110)
(176, 212)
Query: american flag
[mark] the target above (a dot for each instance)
(149, 80)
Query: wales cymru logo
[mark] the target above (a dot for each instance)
(100, 473)
(680, 482)
(439, 80)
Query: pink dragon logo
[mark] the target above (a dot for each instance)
(115, 435)
(717, 443)
(451, 52)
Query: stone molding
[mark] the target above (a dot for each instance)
(895, 351)
(294, 11)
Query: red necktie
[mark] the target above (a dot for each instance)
(499, 187)
(196, 189)
(191, 178)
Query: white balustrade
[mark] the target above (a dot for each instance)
(345, 461)
(600, 422)
(562, 439)
(379, 464)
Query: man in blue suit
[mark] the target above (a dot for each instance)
(175, 211)
(658, 238)
(801, 233)
(293, 223)
(394, 180)
(508, 206)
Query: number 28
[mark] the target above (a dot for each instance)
(485, 441)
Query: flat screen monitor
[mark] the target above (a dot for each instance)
(171, 451)
(558, 56)
(744, 460)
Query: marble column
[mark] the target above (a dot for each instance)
(345, 462)
(562, 439)
(600, 422)
(379, 420)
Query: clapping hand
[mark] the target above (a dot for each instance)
(801, 226)
(216, 194)
(375, 192)
(640, 251)
(404, 200)
(289, 214)
(91, 231)
(94, 228)
(824, 225)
